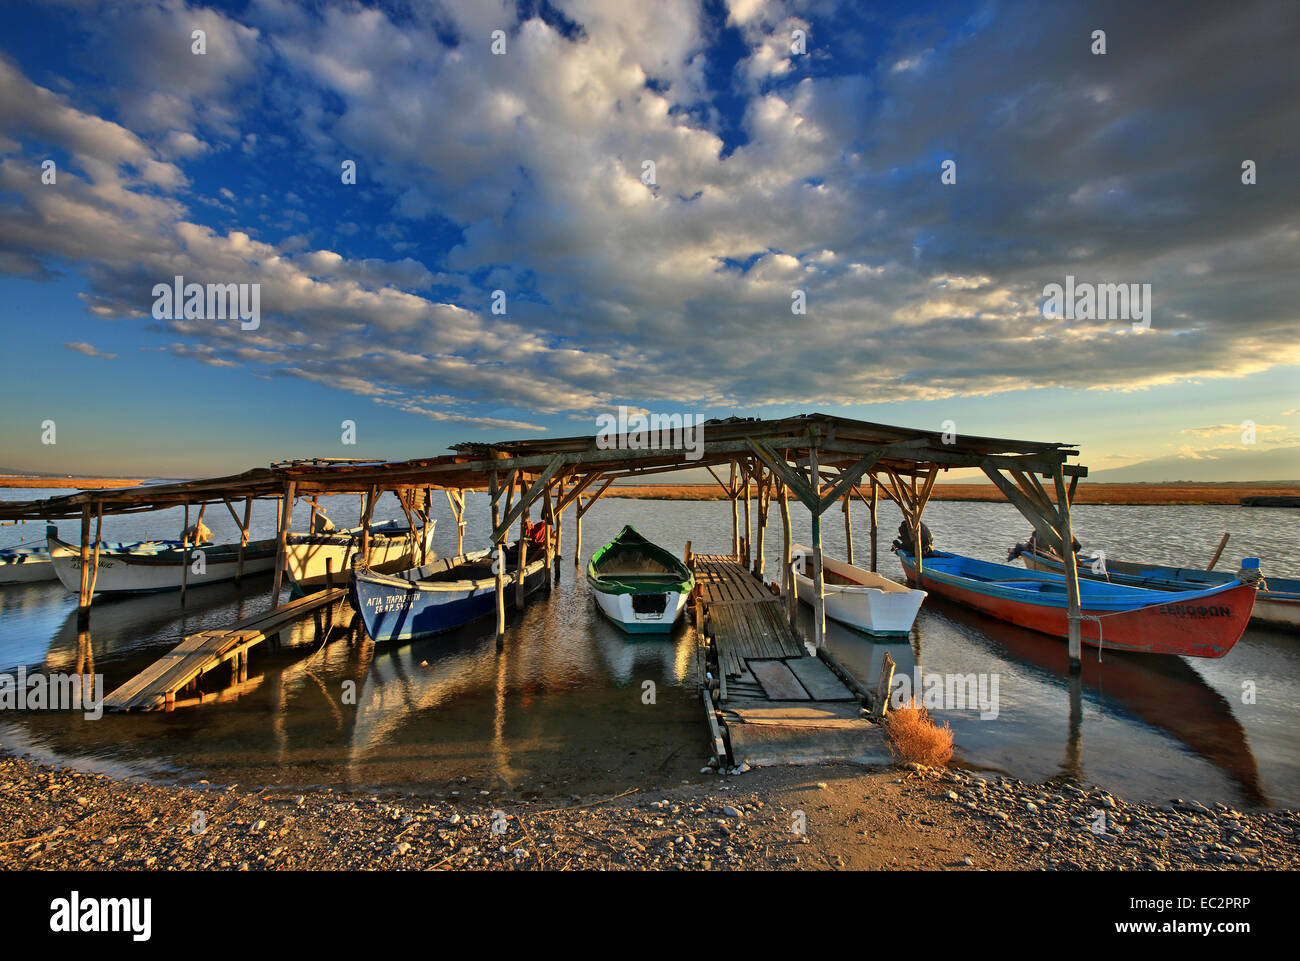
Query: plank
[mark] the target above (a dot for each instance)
(819, 680)
(778, 681)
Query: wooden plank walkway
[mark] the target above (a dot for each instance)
(158, 684)
(770, 699)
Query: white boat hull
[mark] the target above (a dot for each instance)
(308, 563)
(30, 571)
(618, 608)
(874, 603)
(119, 573)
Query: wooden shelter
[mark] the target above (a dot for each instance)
(818, 459)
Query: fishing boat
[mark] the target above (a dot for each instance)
(638, 585)
(859, 598)
(392, 547)
(25, 564)
(439, 596)
(1277, 601)
(1198, 623)
(145, 566)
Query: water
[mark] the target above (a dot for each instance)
(561, 710)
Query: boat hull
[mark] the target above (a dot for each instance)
(619, 609)
(639, 585)
(29, 567)
(309, 557)
(403, 608)
(888, 610)
(1200, 624)
(1277, 608)
(128, 573)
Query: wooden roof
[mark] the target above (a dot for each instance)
(840, 442)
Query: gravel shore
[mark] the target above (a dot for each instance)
(830, 817)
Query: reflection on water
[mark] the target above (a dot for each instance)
(561, 708)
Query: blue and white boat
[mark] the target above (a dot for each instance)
(25, 564)
(439, 596)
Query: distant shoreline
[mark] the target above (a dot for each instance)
(1153, 495)
(68, 483)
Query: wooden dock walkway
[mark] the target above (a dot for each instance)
(157, 685)
(769, 699)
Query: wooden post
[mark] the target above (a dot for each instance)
(819, 576)
(848, 526)
(523, 546)
(282, 538)
(99, 540)
(749, 527)
(875, 496)
(559, 523)
(1071, 565)
(880, 702)
(83, 596)
(243, 539)
(764, 502)
(735, 512)
(549, 523)
(185, 553)
(787, 575)
(577, 532)
(498, 560)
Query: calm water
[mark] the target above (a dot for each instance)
(560, 710)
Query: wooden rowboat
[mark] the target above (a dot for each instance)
(1202, 623)
(638, 585)
(392, 548)
(148, 566)
(1277, 601)
(26, 564)
(857, 597)
(439, 596)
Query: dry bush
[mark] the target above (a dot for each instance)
(916, 738)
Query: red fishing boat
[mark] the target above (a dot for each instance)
(1201, 623)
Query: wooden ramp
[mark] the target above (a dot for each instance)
(769, 699)
(158, 684)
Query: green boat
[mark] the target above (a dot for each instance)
(638, 585)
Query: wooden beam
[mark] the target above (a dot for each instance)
(526, 498)
(1042, 523)
(185, 554)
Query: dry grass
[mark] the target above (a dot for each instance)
(1089, 493)
(916, 738)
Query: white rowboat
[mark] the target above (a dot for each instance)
(856, 597)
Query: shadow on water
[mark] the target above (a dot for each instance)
(1164, 694)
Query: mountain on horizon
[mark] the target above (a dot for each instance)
(1279, 465)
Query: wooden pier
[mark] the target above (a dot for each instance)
(156, 687)
(768, 698)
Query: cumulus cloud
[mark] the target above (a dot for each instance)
(89, 350)
(823, 178)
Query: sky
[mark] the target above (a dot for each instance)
(559, 208)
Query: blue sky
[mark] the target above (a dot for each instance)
(775, 171)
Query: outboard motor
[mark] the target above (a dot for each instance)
(905, 542)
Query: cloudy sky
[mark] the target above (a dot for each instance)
(652, 188)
